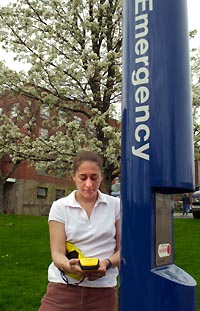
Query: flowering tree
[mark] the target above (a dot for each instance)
(195, 74)
(73, 48)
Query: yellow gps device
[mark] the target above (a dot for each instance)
(89, 263)
(85, 263)
(73, 252)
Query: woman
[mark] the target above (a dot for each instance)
(88, 219)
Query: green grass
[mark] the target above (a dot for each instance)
(25, 256)
(187, 250)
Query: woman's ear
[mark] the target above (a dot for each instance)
(73, 177)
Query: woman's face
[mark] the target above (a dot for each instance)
(87, 178)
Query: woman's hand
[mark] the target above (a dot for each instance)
(72, 266)
(98, 273)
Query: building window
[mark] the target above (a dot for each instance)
(60, 194)
(14, 110)
(42, 192)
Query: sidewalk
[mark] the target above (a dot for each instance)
(180, 215)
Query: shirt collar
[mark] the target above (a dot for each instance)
(71, 199)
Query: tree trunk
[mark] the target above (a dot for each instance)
(106, 184)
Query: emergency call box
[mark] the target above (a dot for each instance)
(163, 228)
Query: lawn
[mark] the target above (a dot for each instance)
(187, 250)
(25, 256)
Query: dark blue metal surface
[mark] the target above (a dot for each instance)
(157, 148)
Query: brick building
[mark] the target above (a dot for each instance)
(28, 192)
(25, 190)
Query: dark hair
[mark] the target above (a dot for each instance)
(87, 156)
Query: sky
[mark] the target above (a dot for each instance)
(193, 20)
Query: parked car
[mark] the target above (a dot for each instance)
(196, 204)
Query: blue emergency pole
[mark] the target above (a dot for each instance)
(157, 154)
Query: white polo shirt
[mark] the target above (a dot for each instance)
(94, 236)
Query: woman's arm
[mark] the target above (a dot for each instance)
(115, 258)
(58, 249)
(57, 242)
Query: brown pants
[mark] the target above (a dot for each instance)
(63, 297)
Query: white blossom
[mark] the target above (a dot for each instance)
(74, 51)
